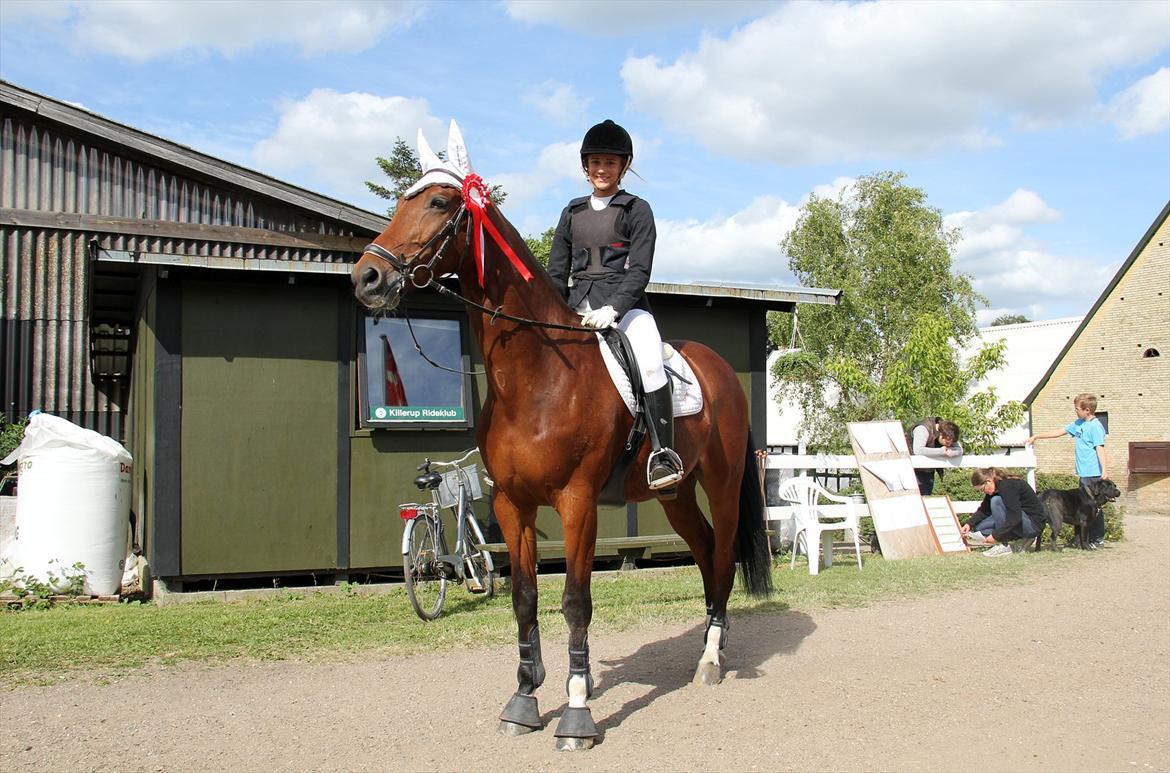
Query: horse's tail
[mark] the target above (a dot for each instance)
(751, 539)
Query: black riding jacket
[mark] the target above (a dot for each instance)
(607, 254)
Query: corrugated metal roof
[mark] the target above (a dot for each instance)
(169, 153)
(763, 293)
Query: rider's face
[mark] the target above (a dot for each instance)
(605, 172)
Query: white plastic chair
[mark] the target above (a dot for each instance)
(816, 526)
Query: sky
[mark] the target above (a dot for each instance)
(1041, 129)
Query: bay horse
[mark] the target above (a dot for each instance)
(552, 427)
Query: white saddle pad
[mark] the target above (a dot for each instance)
(688, 398)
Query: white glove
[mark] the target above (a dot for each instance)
(600, 318)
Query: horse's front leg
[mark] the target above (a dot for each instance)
(521, 714)
(576, 730)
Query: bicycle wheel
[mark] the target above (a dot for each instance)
(426, 587)
(478, 562)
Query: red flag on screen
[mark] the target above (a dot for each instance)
(395, 391)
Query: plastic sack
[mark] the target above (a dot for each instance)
(72, 504)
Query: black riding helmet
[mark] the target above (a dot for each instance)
(607, 137)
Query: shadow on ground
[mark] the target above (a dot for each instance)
(669, 665)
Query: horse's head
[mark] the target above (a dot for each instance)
(427, 236)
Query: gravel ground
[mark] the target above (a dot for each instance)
(1069, 671)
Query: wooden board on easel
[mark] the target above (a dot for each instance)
(891, 489)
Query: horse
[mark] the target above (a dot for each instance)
(551, 427)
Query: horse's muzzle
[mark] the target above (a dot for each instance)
(376, 288)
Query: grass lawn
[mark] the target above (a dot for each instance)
(43, 646)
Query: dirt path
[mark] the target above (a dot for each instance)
(1068, 672)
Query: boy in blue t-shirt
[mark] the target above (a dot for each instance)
(1091, 460)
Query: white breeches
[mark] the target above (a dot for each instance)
(640, 327)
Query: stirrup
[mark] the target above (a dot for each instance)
(671, 460)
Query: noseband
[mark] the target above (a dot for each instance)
(410, 266)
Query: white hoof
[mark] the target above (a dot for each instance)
(574, 744)
(708, 674)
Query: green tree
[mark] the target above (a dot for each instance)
(404, 169)
(1009, 319)
(889, 350)
(542, 246)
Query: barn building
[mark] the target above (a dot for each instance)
(201, 313)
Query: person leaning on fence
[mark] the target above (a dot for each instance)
(937, 438)
(1010, 511)
(1092, 462)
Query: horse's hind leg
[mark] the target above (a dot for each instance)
(688, 522)
(576, 730)
(714, 552)
(521, 714)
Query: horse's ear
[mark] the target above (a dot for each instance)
(457, 150)
(427, 157)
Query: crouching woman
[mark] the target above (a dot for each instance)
(1010, 511)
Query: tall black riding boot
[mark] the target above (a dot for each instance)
(664, 468)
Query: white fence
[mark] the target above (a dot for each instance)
(803, 464)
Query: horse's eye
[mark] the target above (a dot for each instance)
(438, 202)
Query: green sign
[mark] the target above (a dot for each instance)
(416, 413)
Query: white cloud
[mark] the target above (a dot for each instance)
(558, 102)
(743, 247)
(825, 82)
(611, 18)
(332, 139)
(1014, 269)
(141, 31)
(1144, 107)
(36, 10)
(555, 163)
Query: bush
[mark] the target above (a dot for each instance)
(11, 433)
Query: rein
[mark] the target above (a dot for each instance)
(409, 268)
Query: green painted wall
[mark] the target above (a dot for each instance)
(259, 425)
(260, 431)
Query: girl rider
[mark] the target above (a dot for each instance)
(600, 260)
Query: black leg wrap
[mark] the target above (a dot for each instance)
(530, 674)
(576, 723)
(579, 666)
(522, 710)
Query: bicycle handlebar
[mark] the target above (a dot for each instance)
(427, 463)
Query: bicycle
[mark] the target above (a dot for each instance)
(426, 562)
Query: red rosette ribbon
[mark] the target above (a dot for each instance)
(477, 199)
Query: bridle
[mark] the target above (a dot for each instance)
(410, 266)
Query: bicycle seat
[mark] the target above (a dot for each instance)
(430, 480)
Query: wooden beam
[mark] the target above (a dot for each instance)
(102, 224)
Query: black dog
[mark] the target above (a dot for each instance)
(1077, 506)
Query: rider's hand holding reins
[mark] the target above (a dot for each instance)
(599, 318)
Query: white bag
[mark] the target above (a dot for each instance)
(72, 504)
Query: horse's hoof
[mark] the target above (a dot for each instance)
(512, 729)
(708, 674)
(574, 744)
